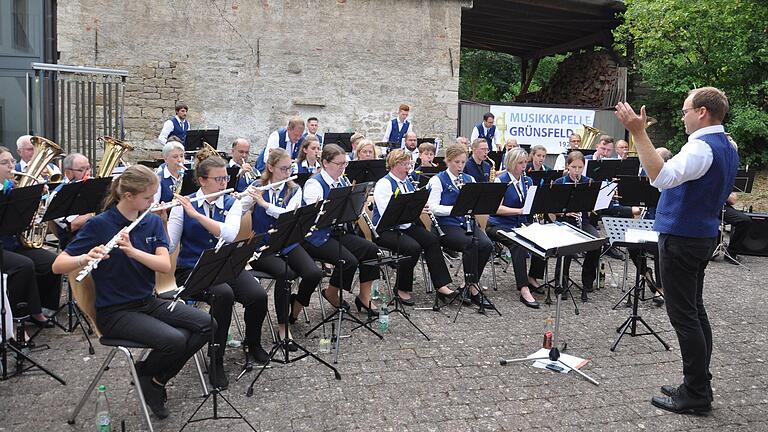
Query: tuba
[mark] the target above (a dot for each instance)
(114, 149)
(205, 152)
(649, 121)
(45, 151)
(589, 138)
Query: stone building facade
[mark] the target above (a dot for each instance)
(247, 66)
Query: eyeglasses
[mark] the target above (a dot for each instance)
(684, 111)
(219, 179)
(284, 169)
(340, 164)
(80, 170)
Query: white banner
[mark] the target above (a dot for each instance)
(549, 127)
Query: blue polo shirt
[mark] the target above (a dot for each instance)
(119, 279)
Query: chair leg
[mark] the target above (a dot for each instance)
(199, 369)
(92, 386)
(493, 272)
(427, 281)
(139, 392)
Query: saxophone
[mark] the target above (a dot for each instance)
(45, 151)
(492, 174)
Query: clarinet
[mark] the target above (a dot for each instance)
(467, 219)
(345, 182)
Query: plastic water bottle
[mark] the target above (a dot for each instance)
(601, 283)
(548, 335)
(375, 293)
(103, 417)
(383, 317)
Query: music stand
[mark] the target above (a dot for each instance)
(362, 171)
(341, 206)
(440, 162)
(196, 137)
(541, 178)
(76, 198)
(302, 178)
(232, 172)
(426, 173)
(585, 152)
(189, 183)
(608, 169)
(402, 209)
(17, 208)
(342, 139)
(497, 157)
(637, 191)
(558, 241)
(153, 164)
(744, 180)
(476, 199)
(216, 266)
(291, 228)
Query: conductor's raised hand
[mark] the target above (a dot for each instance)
(633, 122)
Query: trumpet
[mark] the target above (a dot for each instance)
(239, 195)
(250, 174)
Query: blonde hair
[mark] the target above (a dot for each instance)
(574, 156)
(135, 179)
(395, 157)
(362, 144)
(275, 156)
(513, 155)
(452, 151)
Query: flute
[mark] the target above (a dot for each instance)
(113, 241)
(262, 188)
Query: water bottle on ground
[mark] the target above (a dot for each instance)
(103, 417)
(383, 317)
(375, 293)
(601, 283)
(548, 335)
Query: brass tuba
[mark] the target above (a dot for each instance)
(205, 152)
(589, 138)
(649, 121)
(45, 151)
(114, 149)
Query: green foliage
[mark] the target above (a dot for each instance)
(681, 44)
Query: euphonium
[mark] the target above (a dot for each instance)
(204, 153)
(589, 138)
(114, 149)
(45, 151)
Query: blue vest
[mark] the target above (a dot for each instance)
(448, 198)
(195, 238)
(320, 236)
(303, 169)
(513, 200)
(179, 129)
(395, 185)
(693, 208)
(166, 185)
(261, 222)
(397, 134)
(481, 173)
(489, 137)
(281, 135)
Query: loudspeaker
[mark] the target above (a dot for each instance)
(756, 241)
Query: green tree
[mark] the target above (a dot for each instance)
(677, 45)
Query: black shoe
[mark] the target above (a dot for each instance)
(464, 295)
(360, 307)
(154, 396)
(445, 298)
(681, 404)
(534, 304)
(42, 324)
(452, 254)
(658, 301)
(291, 346)
(344, 304)
(255, 355)
(483, 301)
(588, 288)
(403, 301)
(673, 391)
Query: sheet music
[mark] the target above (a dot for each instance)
(550, 236)
(604, 198)
(633, 235)
(529, 200)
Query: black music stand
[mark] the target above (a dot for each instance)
(232, 172)
(341, 139)
(637, 191)
(476, 199)
(342, 206)
(532, 243)
(17, 208)
(541, 178)
(196, 137)
(744, 180)
(742, 184)
(291, 228)
(76, 198)
(402, 209)
(362, 171)
(216, 266)
(426, 173)
(189, 183)
(608, 169)
(497, 157)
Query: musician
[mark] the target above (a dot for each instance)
(574, 142)
(195, 227)
(478, 166)
(171, 171)
(288, 138)
(30, 278)
(413, 238)
(125, 281)
(426, 155)
(76, 167)
(270, 204)
(740, 223)
(411, 146)
(240, 150)
(695, 183)
(312, 126)
(538, 154)
(354, 139)
(443, 190)
(622, 149)
(365, 150)
(604, 148)
(397, 127)
(509, 144)
(177, 125)
(26, 150)
(309, 157)
(463, 142)
(575, 166)
(485, 130)
(324, 247)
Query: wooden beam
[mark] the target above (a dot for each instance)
(602, 37)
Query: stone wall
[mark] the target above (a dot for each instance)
(247, 66)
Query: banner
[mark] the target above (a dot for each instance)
(549, 127)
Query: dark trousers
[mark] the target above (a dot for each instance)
(588, 265)
(300, 264)
(353, 250)
(473, 259)
(245, 290)
(174, 336)
(410, 242)
(740, 223)
(683, 261)
(519, 254)
(30, 280)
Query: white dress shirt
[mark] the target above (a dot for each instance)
(313, 192)
(305, 163)
(168, 128)
(229, 228)
(382, 193)
(274, 142)
(388, 130)
(52, 167)
(435, 187)
(475, 135)
(692, 162)
(560, 162)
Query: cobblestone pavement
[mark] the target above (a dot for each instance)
(454, 381)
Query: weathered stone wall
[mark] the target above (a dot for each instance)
(247, 66)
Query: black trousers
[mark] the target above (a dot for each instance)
(740, 223)
(353, 250)
(519, 254)
(473, 259)
(31, 280)
(300, 264)
(588, 265)
(245, 290)
(683, 261)
(410, 242)
(174, 336)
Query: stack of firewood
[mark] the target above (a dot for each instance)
(581, 79)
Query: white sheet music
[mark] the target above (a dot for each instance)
(529, 199)
(550, 236)
(633, 235)
(604, 198)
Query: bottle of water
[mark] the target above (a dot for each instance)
(103, 417)
(375, 293)
(383, 317)
(601, 283)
